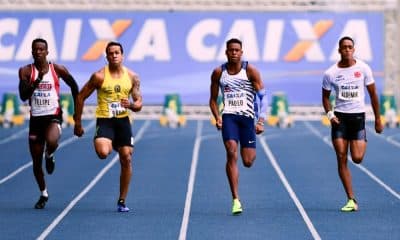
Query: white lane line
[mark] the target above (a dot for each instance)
(289, 189)
(92, 183)
(361, 167)
(388, 139)
(62, 144)
(192, 176)
(14, 136)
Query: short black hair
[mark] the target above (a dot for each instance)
(233, 40)
(113, 43)
(345, 38)
(39, 40)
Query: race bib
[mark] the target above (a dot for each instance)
(235, 101)
(115, 109)
(349, 92)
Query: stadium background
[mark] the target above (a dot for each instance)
(175, 44)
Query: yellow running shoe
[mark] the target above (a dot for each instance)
(236, 207)
(350, 206)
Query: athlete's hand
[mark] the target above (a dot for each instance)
(259, 128)
(125, 103)
(41, 74)
(335, 120)
(78, 130)
(378, 126)
(218, 123)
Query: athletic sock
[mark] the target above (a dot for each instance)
(45, 193)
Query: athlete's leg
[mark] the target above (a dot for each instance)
(247, 139)
(53, 133)
(357, 150)
(103, 147)
(248, 156)
(125, 158)
(231, 167)
(36, 149)
(341, 148)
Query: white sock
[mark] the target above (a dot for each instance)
(44, 193)
(48, 155)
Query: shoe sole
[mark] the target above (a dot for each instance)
(350, 210)
(119, 210)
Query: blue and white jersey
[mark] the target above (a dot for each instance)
(238, 92)
(349, 85)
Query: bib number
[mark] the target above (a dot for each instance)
(235, 101)
(115, 109)
(349, 92)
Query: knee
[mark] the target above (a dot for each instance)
(248, 161)
(103, 151)
(231, 153)
(357, 159)
(102, 154)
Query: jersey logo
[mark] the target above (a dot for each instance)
(357, 74)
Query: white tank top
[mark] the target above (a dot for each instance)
(238, 92)
(45, 98)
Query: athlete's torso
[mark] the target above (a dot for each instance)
(110, 93)
(238, 92)
(349, 85)
(45, 98)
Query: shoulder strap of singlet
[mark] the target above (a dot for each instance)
(223, 67)
(244, 64)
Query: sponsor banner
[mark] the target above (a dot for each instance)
(175, 52)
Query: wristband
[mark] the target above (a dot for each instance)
(260, 123)
(330, 115)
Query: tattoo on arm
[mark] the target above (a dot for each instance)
(136, 94)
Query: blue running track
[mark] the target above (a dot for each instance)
(179, 189)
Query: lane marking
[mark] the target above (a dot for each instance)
(289, 189)
(92, 183)
(62, 144)
(389, 139)
(192, 176)
(361, 167)
(14, 136)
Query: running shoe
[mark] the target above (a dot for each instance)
(350, 206)
(122, 207)
(236, 207)
(50, 164)
(41, 202)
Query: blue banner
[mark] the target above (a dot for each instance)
(175, 52)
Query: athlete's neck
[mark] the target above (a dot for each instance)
(343, 63)
(41, 66)
(233, 67)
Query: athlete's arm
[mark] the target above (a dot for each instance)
(213, 102)
(94, 82)
(68, 79)
(25, 86)
(326, 103)
(255, 78)
(375, 107)
(135, 93)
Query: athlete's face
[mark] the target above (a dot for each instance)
(346, 49)
(234, 52)
(39, 51)
(114, 55)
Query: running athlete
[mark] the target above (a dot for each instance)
(243, 114)
(39, 82)
(114, 84)
(348, 79)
